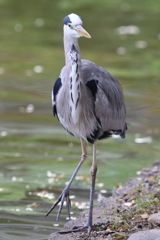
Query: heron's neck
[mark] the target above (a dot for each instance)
(68, 43)
(73, 77)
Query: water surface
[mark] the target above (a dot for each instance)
(37, 157)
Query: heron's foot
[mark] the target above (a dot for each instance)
(64, 194)
(78, 229)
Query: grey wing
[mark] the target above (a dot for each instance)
(55, 91)
(108, 98)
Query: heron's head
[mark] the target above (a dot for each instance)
(73, 26)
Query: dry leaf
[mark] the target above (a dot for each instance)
(145, 216)
(133, 202)
(62, 176)
(153, 179)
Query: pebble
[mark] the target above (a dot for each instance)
(155, 218)
(153, 234)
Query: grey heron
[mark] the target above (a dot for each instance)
(89, 104)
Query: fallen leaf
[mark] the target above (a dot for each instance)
(33, 205)
(133, 202)
(153, 179)
(62, 176)
(145, 216)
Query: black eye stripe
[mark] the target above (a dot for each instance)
(66, 20)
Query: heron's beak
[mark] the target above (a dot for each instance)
(82, 31)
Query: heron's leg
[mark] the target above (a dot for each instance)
(65, 192)
(93, 172)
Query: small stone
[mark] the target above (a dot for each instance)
(94, 234)
(127, 204)
(155, 218)
(153, 234)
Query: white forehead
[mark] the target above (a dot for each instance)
(75, 19)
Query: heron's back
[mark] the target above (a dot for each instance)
(108, 97)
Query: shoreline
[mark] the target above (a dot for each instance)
(127, 211)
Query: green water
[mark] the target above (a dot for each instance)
(37, 157)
